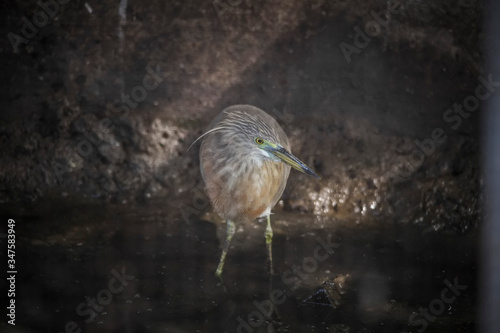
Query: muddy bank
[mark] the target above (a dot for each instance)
(102, 102)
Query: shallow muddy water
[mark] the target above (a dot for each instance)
(139, 268)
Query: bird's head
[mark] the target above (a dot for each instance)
(252, 135)
(278, 153)
(264, 137)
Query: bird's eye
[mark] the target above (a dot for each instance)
(259, 141)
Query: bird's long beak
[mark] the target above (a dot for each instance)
(292, 161)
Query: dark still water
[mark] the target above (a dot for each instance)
(142, 268)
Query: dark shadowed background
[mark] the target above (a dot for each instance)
(100, 101)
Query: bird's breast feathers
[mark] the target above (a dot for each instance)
(249, 191)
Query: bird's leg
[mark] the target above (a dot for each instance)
(231, 228)
(273, 311)
(269, 243)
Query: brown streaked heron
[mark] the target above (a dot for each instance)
(245, 161)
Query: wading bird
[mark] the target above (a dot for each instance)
(245, 161)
